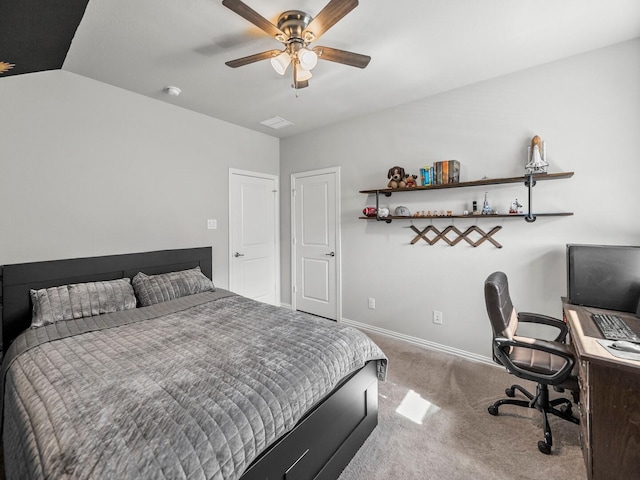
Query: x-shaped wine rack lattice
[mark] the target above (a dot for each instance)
(442, 235)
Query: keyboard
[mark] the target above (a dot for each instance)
(613, 327)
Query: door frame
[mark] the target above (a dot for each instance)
(338, 247)
(276, 179)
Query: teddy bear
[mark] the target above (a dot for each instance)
(396, 177)
(411, 180)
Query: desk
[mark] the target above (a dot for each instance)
(609, 398)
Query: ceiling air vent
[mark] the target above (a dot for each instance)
(276, 123)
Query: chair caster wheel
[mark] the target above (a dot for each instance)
(544, 447)
(509, 392)
(493, 410)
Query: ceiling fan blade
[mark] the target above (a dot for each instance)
(254, 17)
(329, 16)
(240, 62)
(342, 56)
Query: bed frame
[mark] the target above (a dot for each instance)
(320, 445)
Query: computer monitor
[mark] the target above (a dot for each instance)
(604, 276)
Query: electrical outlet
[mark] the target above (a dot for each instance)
(437, 317)
(372, 303)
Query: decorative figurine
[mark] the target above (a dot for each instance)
(475, 208)
(486, 208)
(516, 207)
(537, 156)
(410, 181)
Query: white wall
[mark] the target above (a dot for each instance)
(586, 108)
(90, 169)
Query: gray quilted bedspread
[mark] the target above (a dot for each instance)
(193, 388)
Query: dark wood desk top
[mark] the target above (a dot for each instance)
(585, 333)
(609, 398)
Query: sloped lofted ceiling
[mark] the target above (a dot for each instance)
(35, 35)
(418, 48)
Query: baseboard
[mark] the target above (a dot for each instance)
(420, 342)
(286, 305)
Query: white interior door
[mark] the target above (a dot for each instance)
(254, 259)
(316, 242)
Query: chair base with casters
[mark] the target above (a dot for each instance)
(545, 362)
(540, 401)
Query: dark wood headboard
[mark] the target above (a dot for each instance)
(16, 280)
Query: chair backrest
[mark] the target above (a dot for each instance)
(502, 314)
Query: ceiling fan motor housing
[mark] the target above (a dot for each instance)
(293, 23)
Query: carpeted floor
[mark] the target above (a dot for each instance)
(457, 438)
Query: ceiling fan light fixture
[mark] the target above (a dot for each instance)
(302, 75)
(307, 58)
(281, 62)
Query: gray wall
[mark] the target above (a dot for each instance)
(90, 169)
(586, 108)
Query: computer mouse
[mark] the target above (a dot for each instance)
(625, 346)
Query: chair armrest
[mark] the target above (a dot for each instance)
(502, 347)
(528, 317)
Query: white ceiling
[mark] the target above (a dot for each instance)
(418, 48)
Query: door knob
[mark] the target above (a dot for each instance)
(331, 254)
(238, 254)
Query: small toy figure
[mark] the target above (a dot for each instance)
(410, 180)
(516, 207)
(537, 156)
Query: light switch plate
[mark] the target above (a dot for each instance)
(212, 224)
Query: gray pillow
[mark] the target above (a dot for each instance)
(152, 289)
(78, 300)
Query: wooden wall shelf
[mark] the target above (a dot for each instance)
(470, 217)
(530, 217)
(474, 183)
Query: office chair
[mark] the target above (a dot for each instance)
(542, 361)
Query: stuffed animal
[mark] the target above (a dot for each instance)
(410, 180)
(396, 177)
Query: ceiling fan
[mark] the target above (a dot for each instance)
(296, 30)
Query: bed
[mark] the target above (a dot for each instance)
(202, 384)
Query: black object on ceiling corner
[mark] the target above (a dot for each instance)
(35, 35)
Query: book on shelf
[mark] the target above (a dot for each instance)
(454, 171)
(426, 175)
(446, 171)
